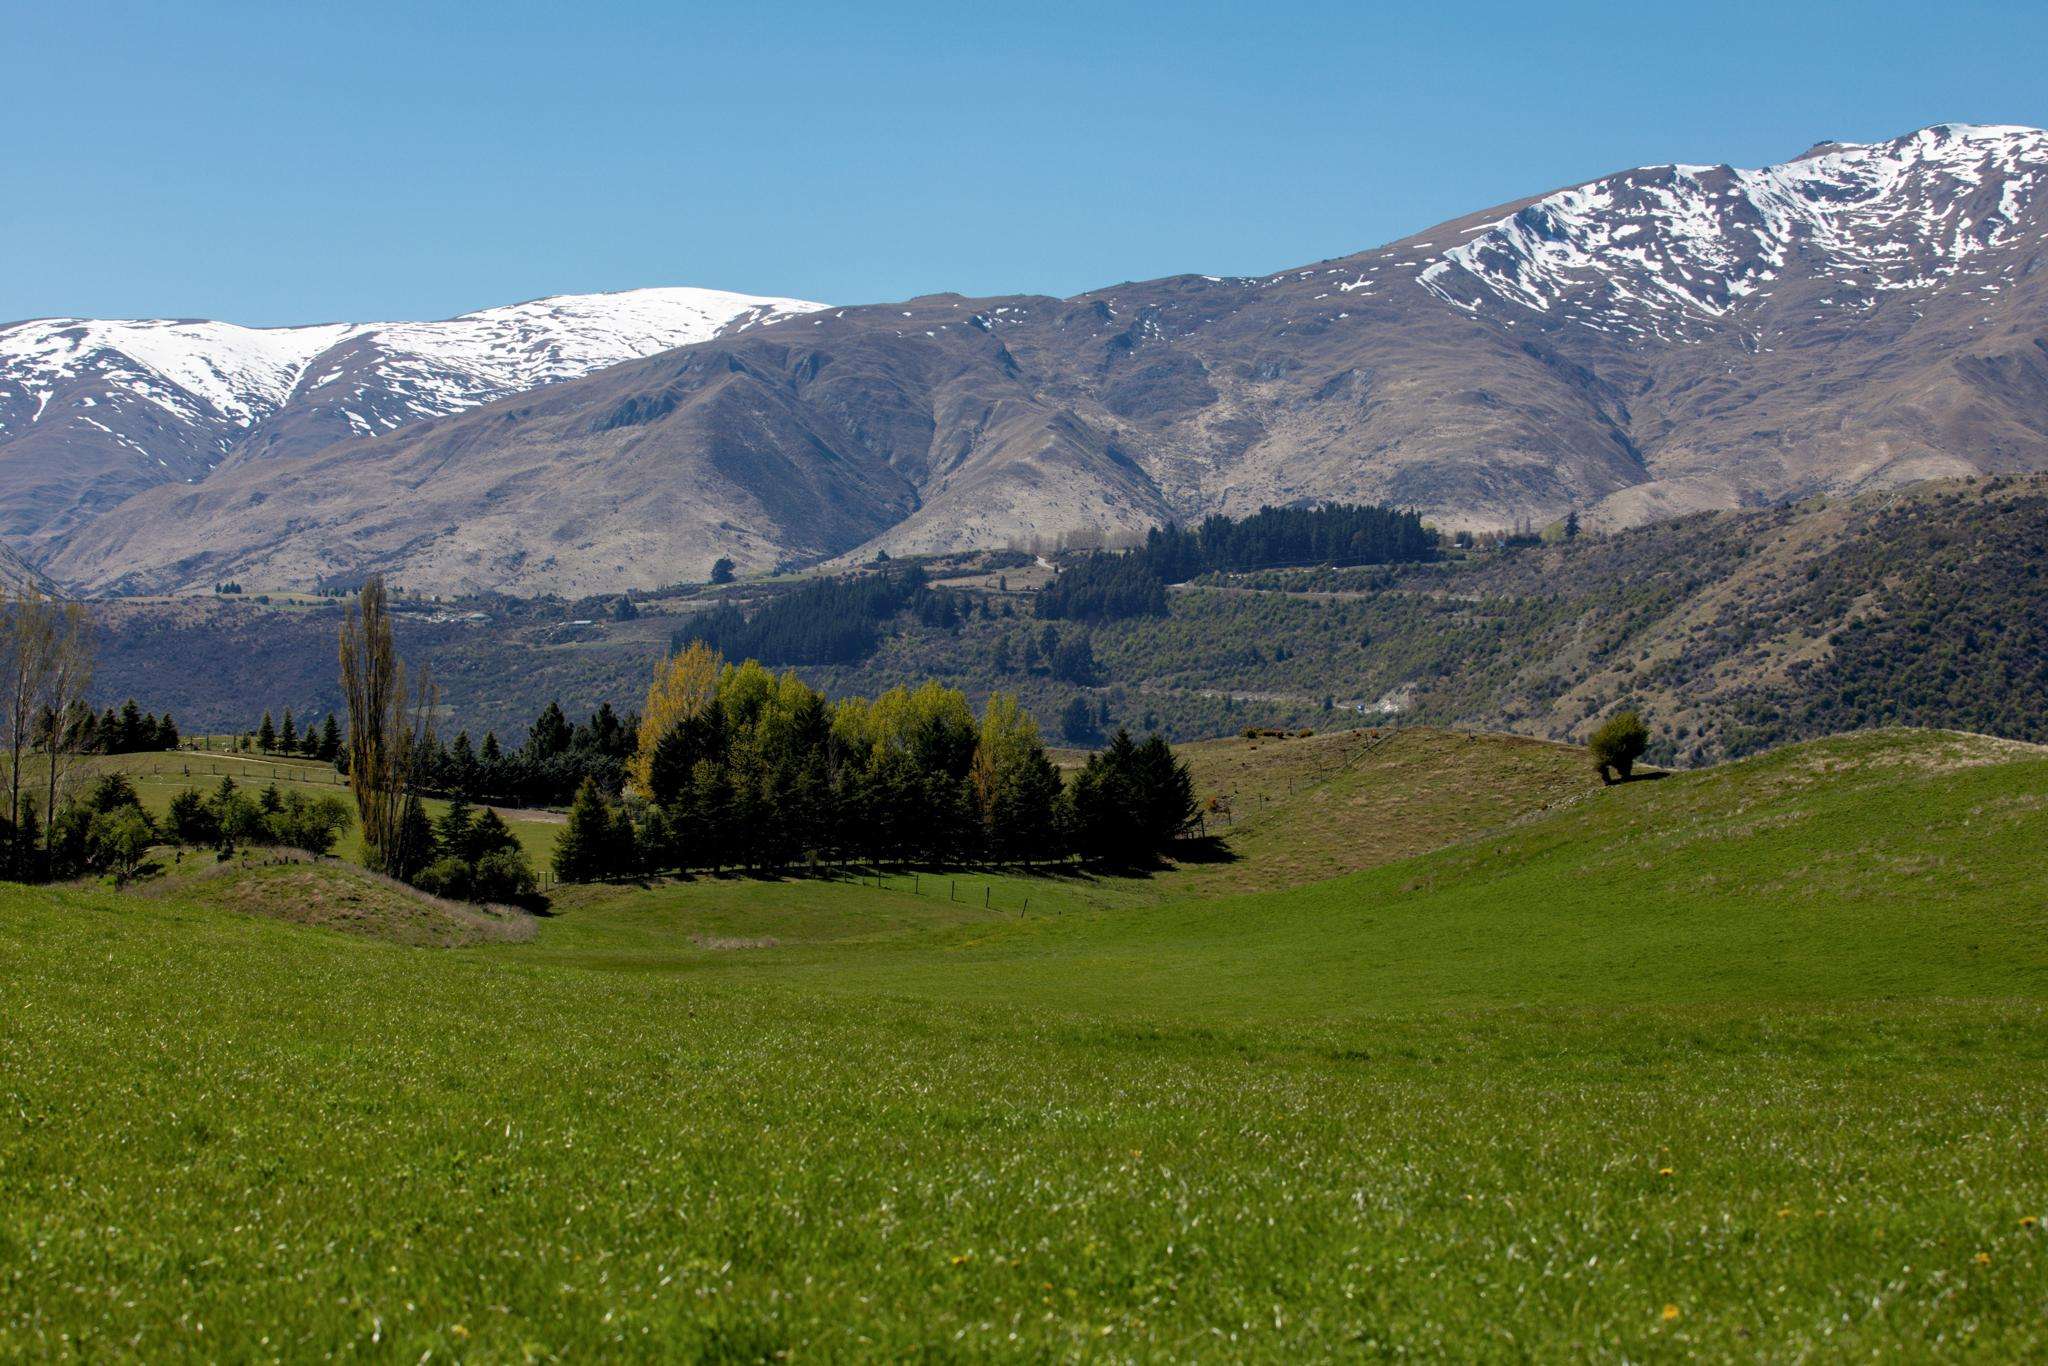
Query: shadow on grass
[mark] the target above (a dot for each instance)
(1210, 849)
(1205, 849)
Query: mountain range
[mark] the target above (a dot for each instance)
(1668, 339)
(92, 412)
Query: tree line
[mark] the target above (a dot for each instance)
(548, 767)
(314, 742)
(1335, 534)
(545, 770)
(738, 767)
(1106, 586)
(828, 621)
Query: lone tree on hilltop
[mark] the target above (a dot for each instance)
(1617, 745)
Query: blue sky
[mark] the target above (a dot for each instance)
(278, 162)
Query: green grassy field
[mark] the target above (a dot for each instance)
(1751, 1062)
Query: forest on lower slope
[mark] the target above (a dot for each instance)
(1728, 631)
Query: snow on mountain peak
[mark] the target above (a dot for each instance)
(545, 340)
(240, 373)
(1666, 250)
(214, 373)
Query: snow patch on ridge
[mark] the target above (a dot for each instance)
(1671, 249)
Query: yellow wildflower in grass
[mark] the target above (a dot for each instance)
(1670, 1313)
(963, 1259)
(1983, 1259)
(1785, 1214)
(1663, 1171)
(2028, 1221)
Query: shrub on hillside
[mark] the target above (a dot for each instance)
(118, 839)
(1617, 745)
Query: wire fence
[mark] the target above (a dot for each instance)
(952, 889)
(203, 765)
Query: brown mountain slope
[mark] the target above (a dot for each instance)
(16, 575)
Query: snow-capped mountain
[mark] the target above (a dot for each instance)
(388, 374)
(134, 403)
(1659, 341)
(1676, 252)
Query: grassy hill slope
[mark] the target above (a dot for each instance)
(1747, 1062)
(301, 890)
(1813, 873)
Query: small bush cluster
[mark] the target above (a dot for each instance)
(476, 858)
(230, 817)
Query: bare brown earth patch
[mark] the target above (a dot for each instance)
(728, 943)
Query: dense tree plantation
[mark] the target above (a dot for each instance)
(1111, 587)
(1334, 534)
(1104, 587)
(739, 767)
(829, 621)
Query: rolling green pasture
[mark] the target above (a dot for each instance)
(1751, 1062)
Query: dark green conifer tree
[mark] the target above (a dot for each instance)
(413, 849)
(550, 734)
(133, 735)
(453, 832)
(588, 846)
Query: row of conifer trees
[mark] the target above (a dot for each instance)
(740, 768)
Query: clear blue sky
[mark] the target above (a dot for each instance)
(285, 162)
